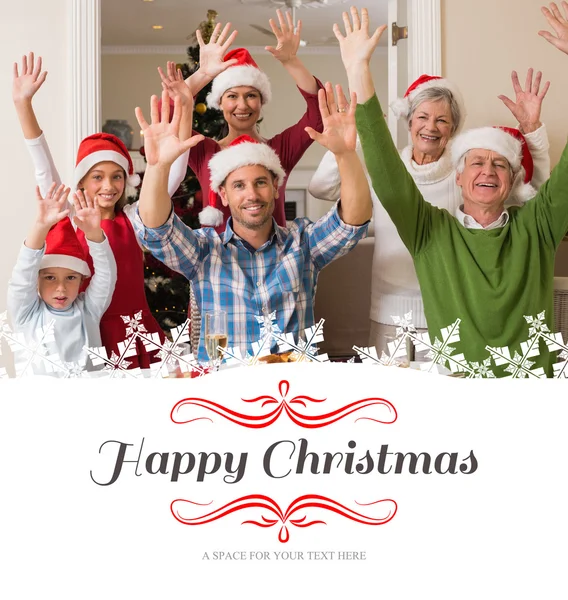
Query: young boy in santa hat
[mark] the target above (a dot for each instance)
(50, 269)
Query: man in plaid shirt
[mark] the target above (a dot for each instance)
(254, 267)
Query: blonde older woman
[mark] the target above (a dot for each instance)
(435, 112)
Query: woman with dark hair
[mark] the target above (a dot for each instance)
(240, 89)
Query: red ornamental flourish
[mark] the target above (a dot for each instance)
(284, 518)
(282, 405)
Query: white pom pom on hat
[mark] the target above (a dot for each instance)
(211, 216)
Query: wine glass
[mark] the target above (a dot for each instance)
(216, 337)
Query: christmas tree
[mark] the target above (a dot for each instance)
(167, 291)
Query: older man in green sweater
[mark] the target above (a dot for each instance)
(490, 266)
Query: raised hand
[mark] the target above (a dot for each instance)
(211, 55)
(88, 216)
(339, 130)
(357, 45)
(52, 208)
(174, 83)
(559, 23)
(161, 138)
(28, 79)
(288, 39)
(528, 102)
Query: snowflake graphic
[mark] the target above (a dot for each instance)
(555, 343)
(396, 356)
(134, 324)
(173, 354)
(41, 355)
(561, 367)
(519, 365)
(440, 352)
(404, 325)
(116, 365)
(397, 349)
(76, 370)
(303, 350)
(234, 357)
(37, 356)
(4, 325)
(537, 324)
(269, 329)
(482, 370)
(268, 325)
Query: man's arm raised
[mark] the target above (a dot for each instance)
(162, 146)
(340, 137)
(356, 48)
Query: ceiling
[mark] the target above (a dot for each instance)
(129, 22)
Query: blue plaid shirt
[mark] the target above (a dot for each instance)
(228, 274)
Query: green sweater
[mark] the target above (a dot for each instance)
(488, 279)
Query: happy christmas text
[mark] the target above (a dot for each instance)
(283, 458)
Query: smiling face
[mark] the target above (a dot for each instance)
(250, 192)
(58, 286)
(105, 181)
(430, 129)
(241, 107)
(486, 180)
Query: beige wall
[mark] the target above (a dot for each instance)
(130, 80)
(482, 42)
(40, 26)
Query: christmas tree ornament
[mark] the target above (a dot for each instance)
(206, 27)
(200, 108)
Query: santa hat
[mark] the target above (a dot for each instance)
(101, 147)
(507, 142)
(242, 152)
(244, 72)
(62, 249)
(401, 106)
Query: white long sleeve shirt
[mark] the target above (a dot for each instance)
(46, 172)
(75, 327)
(394, 287)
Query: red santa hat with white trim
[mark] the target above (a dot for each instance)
(101, 147)
(401, 106)
(241, 152)
(244, 72)
(507, 142)
(63, 249)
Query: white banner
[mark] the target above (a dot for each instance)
(284, 481)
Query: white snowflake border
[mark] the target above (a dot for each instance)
(442, 352)
(41, 356)
(176, 356)
(303, 350)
